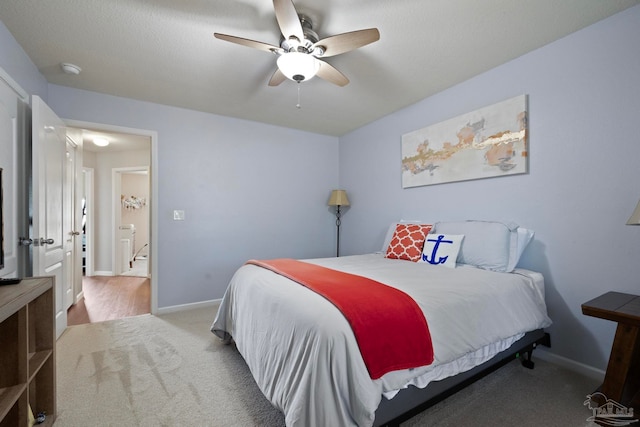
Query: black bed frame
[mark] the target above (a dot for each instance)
(412, 400)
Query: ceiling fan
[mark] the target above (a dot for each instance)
(300, 51)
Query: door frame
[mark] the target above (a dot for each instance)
(153, 213)
(16, 199)
(88, 174)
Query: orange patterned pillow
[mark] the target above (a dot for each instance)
(407, 241)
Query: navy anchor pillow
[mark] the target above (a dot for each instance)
(442, 249)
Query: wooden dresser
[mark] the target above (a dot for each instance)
(27, 352)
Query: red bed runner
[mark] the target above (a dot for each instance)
(390, 328)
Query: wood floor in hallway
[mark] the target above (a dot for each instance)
(111, 297)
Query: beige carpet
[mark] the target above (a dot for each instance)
(156, 371)
(171, 371)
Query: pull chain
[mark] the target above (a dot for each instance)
(298, 104)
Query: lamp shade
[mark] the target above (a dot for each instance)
(338, 198)
(635, 216)
(298, 66)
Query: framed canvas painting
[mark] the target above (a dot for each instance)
(488, 142)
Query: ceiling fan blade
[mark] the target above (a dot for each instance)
(341, 43)
(277, 78)
(288, 19)
(249, 43)
(331, 74)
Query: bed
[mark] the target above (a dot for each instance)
(305, 359)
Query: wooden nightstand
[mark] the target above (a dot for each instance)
(622, 380)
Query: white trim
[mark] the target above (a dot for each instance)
(102, 273)
(190, 306)
(572, 365)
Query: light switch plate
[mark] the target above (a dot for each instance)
(178, 215)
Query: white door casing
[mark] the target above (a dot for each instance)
(88, 174)
(153, 204)
(49, 164)
(12, 100)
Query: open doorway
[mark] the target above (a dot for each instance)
(112, 286)
(131, 217)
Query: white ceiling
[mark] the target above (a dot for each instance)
(164, 51)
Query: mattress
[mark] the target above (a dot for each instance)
(304, 357)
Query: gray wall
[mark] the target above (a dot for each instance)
(249, 190)
(583, 184)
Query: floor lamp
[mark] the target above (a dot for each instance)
(338, 198)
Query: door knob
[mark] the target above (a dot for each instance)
(25, 241)
(42, 241)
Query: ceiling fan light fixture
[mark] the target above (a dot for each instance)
(300, 48)
(298, 66)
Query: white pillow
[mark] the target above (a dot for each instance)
(524, 238)
(442, 249)
(489, 245)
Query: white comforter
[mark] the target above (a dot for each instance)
(304, 357)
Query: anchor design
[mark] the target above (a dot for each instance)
(441, 260)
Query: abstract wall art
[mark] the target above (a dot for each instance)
(488, 142)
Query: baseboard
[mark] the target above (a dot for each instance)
(190, 306)
(102, 273)
(572, 365)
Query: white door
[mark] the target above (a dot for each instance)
(49, 165)
(77, 184)
(69, 230)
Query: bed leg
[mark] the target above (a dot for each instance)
(526, 361)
